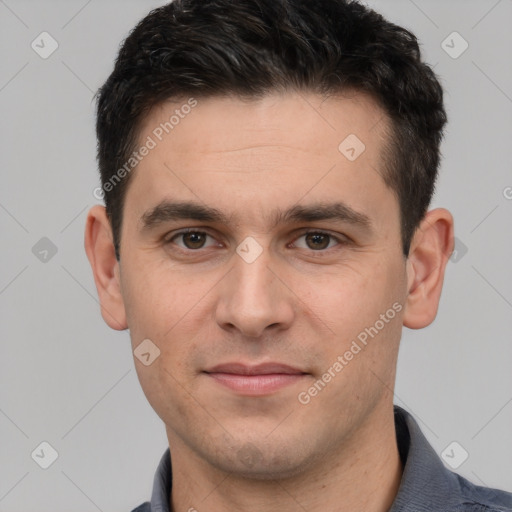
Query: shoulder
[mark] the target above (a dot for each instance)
(429, 486)
(144, 507)
(475, 498)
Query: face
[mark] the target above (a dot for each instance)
(255, 240)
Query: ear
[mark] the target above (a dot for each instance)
(99, 247)
(430, 251)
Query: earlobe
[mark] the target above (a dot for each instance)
(100, 252)
(430, 251)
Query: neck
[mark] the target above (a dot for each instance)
(363, 474)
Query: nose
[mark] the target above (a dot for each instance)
(253, 298)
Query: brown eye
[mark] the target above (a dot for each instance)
(317, 241)
(191, 240)
(194, 239)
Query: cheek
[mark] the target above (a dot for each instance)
(351, 303)
(154, 298)
(345, 296)
(164, 307)
(172, 309)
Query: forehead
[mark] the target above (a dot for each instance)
(249, 154)
(298, 119)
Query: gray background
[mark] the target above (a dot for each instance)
(69, 380)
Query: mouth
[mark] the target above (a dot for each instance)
(255, 380)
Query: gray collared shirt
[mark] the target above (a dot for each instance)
(426, 486)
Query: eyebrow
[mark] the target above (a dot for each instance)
(168, 211)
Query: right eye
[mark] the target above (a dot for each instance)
(191, 239)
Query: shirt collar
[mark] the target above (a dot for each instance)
(426, 484)
(162, 484)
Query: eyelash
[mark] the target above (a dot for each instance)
(340, 241)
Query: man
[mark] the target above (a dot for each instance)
(267, 168)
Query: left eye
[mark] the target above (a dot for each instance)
(316, 240)
(191, 239)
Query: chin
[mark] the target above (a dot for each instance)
(258, 461)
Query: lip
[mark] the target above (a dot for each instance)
(259, 369)
(255, 380)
